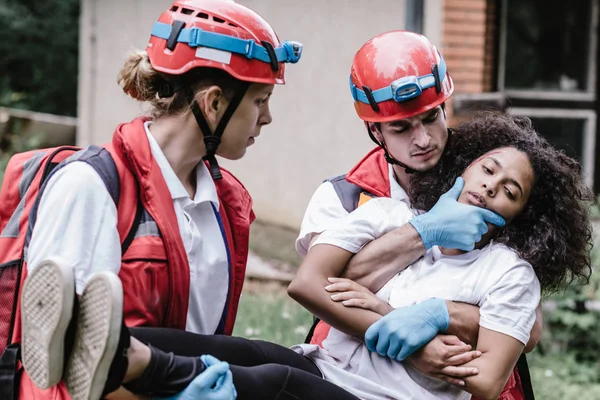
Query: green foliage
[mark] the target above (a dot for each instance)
(39, 50)
(12, 142)
(567, 361)
(271, 315)
(562, 377)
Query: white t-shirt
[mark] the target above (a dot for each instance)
(325, 209)
(89, 241)
(493, 278)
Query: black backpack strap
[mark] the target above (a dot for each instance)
(311, 332)
(523, 370)
(9, 376)
(348, 193)
(101, 160)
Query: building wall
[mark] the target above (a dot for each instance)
(315, 133)
(469, 48)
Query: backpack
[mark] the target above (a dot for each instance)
(25, 178)
(352, 196)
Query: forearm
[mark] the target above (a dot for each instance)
(499, 354)
(464, 322)
(384, 257)
(308, 289)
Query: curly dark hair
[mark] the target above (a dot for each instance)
(553, 232)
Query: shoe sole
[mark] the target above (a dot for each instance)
(96, 336)
(46, 309)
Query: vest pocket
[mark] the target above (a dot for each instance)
(145, 276)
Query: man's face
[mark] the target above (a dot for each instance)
(418, 142)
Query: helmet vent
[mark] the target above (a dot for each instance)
(202, 15)
(219, 20)
(234, 25)
(187, 11)
(174, 8)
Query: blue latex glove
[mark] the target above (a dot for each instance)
(454, 225)
(215, 383)
(405, 330)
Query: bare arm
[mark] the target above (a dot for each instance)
(384, 257)
(464, 318)
(536, 331)
(464, 323)
(499, 354)
(308, 288)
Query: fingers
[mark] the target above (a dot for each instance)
(224, 381)
(452, 351)
(451, 340)
(359, 303)
(343, 285)
(372, 336)
(209, 360)
(463, 358)
(459, 372)
(453, 381)
(456, 190)
(342, 296)
(210, 376)
(492, 217)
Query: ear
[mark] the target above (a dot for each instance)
(213, 104)
(375, 128)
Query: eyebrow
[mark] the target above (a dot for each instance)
(511, 180)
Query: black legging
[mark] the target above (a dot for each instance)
(261, 370)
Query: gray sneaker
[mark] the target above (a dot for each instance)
(96, 336)
(46, 310)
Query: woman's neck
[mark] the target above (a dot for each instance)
(451, 252)
(180, 142)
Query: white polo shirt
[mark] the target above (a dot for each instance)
(80, 228)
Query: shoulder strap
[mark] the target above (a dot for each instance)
(351, 195)
(523, 370)
(101, 160)
(9, 375)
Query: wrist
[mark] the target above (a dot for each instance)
(384, 308)
(420, 228)
(442, 314)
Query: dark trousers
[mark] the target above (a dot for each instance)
(261, 370)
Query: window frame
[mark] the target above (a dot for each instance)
(588, 158)
(588, 95)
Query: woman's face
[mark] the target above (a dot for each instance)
(500, 180)
(244, 126)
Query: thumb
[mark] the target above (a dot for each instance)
(456, 190)
(371, 336)
(210, 376)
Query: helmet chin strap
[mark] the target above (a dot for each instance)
(391, 160)
(212, 140)
(388, 157)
